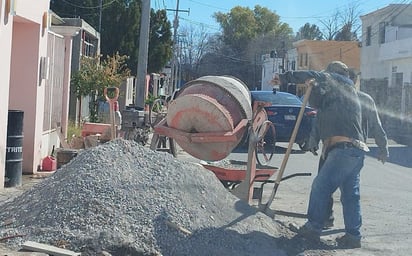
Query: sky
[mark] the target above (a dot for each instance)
(295, 13)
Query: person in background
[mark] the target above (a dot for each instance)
(340, 129)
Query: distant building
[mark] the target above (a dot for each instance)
(271, 65)
(86, 43)
(386, 61)
(317, 54)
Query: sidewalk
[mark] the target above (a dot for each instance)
(27, 182)
(7, 194)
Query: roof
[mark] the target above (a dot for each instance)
(391, 9)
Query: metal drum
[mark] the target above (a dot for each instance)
(209, 104)
(14, 148)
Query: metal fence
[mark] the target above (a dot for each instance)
(53, 94)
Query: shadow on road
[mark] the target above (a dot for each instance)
(397, 155)
(278, 150)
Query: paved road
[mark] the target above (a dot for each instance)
(386, 199)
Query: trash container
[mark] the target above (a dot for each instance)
(14, 148)
(64, 156)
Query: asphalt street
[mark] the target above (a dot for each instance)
(386, 198)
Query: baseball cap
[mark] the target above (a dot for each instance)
(338, 67)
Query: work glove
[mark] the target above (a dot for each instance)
(383, 155)
(312, 144)
(310, 147)
(314, 150)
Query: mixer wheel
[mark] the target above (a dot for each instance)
(265, 149)
(157, 111)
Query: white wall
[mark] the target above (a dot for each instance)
(6, 29)
(23, 92)
(270, 67)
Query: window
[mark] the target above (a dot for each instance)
(382, 32)
(306, 59)
(368, 35)
(397, 79)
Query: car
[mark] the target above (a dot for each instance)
(283, 114)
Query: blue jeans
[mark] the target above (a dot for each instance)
(341, 169)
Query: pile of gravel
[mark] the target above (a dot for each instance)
(126, 199)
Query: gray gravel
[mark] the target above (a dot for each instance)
(121, 197)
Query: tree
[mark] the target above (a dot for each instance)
(346, 34)
(193, 44)
(160, 43)
(242, 29)
(86, 9)
(331, 26)
(94, 76)
(309, 32)
(120, 28)
(343, 24)
(241, 25)
(351, 25)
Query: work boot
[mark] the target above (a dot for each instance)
(348, 241)
(310, 234)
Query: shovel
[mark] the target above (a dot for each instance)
(111, 94)
(265, 208)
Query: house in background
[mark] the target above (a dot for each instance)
(24, 70)
(317, 54)
(86, 43)
(35, 73)
(271, 65)
(386, 64)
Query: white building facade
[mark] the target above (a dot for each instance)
(270, 67)
(386, 61)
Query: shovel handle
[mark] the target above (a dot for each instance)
(111, 93)
(309, 84)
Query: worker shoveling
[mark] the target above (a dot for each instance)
(126, 199)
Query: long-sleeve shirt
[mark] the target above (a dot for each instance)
(371, 123)
(335, 97)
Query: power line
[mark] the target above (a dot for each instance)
(200, 23)
(208, 5)
(88, 7)
(399, 8)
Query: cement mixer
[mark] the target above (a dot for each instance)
(213, 105)
(209, 117)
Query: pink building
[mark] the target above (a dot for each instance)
(34, 78)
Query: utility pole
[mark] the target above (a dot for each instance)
(174, 62)
(100, 16)
(174, 70)
(140, 82)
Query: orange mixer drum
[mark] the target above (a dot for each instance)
(206, 105)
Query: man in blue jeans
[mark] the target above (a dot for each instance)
(371, 128)
(339, 123)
